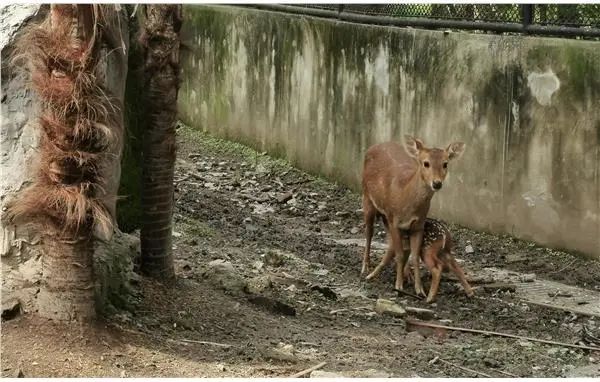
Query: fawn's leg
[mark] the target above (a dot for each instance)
(454, 267)
(436, 275)
(369, 213)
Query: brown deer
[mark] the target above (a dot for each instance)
(437, 252)
(398, 184)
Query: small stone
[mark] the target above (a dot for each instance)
(284, 198)
(525, 344)
(274, 259)
(469, 249)
(527, 277)
(354, 230)
(342, 214)
(259, 284)
(10, 308)
(221, 273)
(387, 307)
(176, 234)
(425, 314)
(325, 374)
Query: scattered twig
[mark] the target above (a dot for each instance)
(308, 371)
(399, 291)
(568, 266)
(205, 343)
(507, 373)
(464, 368)
(436, 326)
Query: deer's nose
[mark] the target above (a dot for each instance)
(436, 184)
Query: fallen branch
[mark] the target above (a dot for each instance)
(464, 368)
(507, 373)
(309, 370)
(205, 343)
(532, 339)
(399, 291)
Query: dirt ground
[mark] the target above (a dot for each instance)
(286, 293)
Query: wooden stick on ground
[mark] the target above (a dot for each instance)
(464, 368)
(436, 326)
(309, 370)
(507, 373)
(205, 343)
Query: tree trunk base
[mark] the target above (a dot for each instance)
(67, 285)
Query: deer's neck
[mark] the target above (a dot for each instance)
(417, 189)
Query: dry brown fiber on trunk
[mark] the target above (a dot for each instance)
(81, 127)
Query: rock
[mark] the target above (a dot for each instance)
(527, 277)
(354, 230)
(425, 314)
(259, 284)
(500, 286)
(272, 305)
(525, 344)
(258, 265)
(274, 259)
(387, 307)
(285, 197)
(415, 336)
(490, 362)
(347, 292)
(469, 249)
(588, 371)
(369, 373)
(342, 214)
(10, 309)
(222, 274)
(282, 352)
(325, 291)
(325, 374)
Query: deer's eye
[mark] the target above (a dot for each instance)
(445, 164)
(426, 164)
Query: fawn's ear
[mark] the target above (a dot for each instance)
(412, 146)
(455, 150)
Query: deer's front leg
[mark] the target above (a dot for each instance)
(416, 239)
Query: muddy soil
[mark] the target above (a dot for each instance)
(268, 262)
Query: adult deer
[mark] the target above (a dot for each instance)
(398, 184)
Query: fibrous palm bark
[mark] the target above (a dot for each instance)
(71, 199)
(160, 40)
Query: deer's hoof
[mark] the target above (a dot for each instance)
(419, 291)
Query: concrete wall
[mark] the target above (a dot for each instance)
(320, 92)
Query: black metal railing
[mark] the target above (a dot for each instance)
(544, 19)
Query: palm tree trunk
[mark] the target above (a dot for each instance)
(160, 38)
(67, 285)
(71, 199)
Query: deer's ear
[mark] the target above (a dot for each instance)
(455, 150)
(412, 146)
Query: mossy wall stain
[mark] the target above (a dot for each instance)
(320, 92)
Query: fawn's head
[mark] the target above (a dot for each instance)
(433, 162)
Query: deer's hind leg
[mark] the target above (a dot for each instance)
(369, 213)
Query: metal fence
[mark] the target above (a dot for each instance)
(545, 19)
